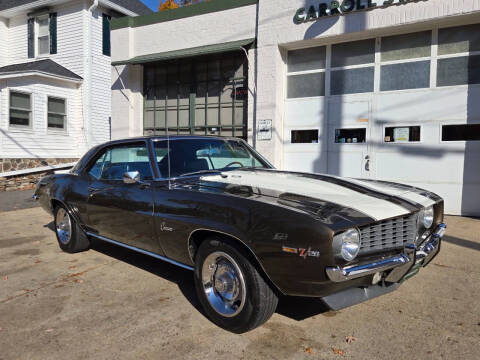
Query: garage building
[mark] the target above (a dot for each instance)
(384, 89)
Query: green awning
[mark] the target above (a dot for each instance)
(190, 52)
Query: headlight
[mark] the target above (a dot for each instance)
(346, 245)
(426, 217)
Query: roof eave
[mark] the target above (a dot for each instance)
(15, 74)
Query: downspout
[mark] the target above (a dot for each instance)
(91, 9)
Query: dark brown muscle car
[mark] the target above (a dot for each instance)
(248, 232)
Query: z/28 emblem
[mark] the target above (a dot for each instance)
(302, 252)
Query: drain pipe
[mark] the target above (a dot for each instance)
(88, 113)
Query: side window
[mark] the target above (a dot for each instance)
(96, 169)
(118, 160)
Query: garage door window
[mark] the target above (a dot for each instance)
(467, 132)
(459, 55)
(304, 136)
(306, 85)
(360, 79)
(306, 72)
(350, 136)
(402, 134)
(307, 59)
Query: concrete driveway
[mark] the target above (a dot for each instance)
(110, 303)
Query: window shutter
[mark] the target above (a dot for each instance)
(53, 33)
(31, 37)
(106, 35)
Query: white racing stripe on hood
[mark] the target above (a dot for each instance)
(392, 190)
(323, 190)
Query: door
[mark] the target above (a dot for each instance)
(349, 138)
(119, 211)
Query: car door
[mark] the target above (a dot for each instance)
(117, 210)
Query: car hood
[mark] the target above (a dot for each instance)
(375, 199)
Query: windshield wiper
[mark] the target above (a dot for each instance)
(210, 171)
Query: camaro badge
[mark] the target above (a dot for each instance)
(309, 252)
(301, 251)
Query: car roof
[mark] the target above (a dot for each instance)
(164, 137)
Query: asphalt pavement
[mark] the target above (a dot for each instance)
(111, 303)
(16, 200)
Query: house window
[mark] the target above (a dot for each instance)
(57, 113)
(43, 38)
(20, 109)
(402, 134)
(106, 48)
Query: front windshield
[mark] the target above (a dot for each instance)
(202, 155)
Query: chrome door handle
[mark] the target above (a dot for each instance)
(92, 189)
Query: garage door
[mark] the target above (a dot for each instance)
(396, 108)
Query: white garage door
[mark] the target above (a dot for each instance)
(396, 108)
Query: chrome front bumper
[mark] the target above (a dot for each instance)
(399, 264)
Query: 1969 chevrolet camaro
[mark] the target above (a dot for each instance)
(249, 232)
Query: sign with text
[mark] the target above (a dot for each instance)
(264, 129)
(341, 7)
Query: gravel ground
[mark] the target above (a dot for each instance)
(110, 303)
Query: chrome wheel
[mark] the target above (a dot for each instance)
(63, 226)
(224, 284)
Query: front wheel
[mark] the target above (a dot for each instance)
(70, 236)
(233, 293)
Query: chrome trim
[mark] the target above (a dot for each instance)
(429, 248)
(141, 251)
(338, 274)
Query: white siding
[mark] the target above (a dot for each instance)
(38, 141)
(89, 104)
(3, 41)
(100, 85)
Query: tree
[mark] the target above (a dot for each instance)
(168, 5)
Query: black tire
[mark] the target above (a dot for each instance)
(260, 300)
(78, 240)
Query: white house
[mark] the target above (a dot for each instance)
(55, 78)
(376, 89)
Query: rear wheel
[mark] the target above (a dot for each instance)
(233, 293)
(70, 236)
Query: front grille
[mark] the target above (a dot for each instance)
(388, 234)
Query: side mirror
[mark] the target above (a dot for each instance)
(131, 177)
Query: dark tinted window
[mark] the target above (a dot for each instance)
(402, 134)
(304, 136)
(461, 132)
(352, 136)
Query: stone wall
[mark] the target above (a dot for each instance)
(26, 181)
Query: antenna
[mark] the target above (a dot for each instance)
(168, 155)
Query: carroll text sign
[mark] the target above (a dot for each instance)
(342, 7)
